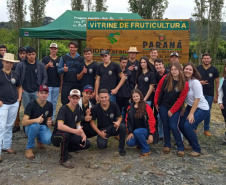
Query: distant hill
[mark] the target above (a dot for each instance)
(48, 20)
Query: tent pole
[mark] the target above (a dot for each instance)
(19, 41)
(38, 49)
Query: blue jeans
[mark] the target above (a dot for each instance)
(140, 139)
(188, 129)
(209, 99)
(53, 98)
(42, 132)
(149, 103)
(171, 123)
(27, 97)
(160, 127)
(8, 115)
(112, 97)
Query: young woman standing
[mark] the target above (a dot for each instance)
(169, 97)
(197, 108)
(140, 123)
(222, 96)
(145, 79)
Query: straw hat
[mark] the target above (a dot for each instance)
(9, 57)
(132, 50)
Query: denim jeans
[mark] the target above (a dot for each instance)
(149, 103)
(112, 97)
(209, 99)
(53, 98)
(171, 123)
(188, 129)
(160, 127)
(27, 97)
(8, 115)
(140, 139)
(42, 132)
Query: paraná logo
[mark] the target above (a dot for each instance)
(162, 37)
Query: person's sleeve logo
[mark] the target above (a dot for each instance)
(57, 64)
(46, 113)
(36, 71)
(210, 75)
(13, 80)
(146, 79)
(136, 68)
(90, 70)
(76, 117)
(111, 115)
(110, 72)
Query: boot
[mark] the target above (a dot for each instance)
(207, 133)
(29, 154)
(166, 150)
(180, 153)
(68, 164)
(194, 154)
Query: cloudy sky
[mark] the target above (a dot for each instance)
(177, 9)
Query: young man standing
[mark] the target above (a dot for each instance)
(21, 56)
(51, 63)
(132, 64)
(69, 67)
(109, 124)
(32, 74)
(161, 71)
(86, 106)
(123, 95)
(107, 74)
(3, 50)
(174, 57)
(153, 54)
(210, 75)
(68, 133)
(37, 118)
(10, 96)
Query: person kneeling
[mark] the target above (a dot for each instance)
(140, 123)
(68, 133)
(37, 118)
(109, 121)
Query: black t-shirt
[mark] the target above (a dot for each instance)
(125, 90)
(34, 110)
(8, 87)
(108, 75)
(83, 111)
(53, 75)
(30, 83)
(105, 117)
(169, 98)
(144, 81)
(153, 68)
(134, 72)
(89, 77)
(210, 75)
(69, 117)
(159, 77)
(138, 122)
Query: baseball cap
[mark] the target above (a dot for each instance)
(104, 52)
(174, 54)
(88, 88)
(53, 45)
(43, 88)
(75, 92)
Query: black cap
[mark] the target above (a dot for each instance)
(104, 52)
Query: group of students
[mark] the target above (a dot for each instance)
(119, 98)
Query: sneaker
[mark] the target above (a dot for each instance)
(68, 164)
(194, 154)
(180, 153)
(207, 133)
(16, 129)
(122, 152)
(145, 154)
(10, 151)
(166, 150)
(0, 158)
(29, 154)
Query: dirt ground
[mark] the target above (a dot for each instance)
(95, 166)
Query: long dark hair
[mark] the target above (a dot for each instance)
(181, 82)
(195, 74)
(141, 109)
(139, 71)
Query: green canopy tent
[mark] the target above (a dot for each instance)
(72, 25)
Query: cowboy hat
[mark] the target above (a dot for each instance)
(9, 57)
(132, 50)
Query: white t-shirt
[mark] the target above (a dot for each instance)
(195, 91)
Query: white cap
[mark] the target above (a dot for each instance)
(75, 92)
(53, 45)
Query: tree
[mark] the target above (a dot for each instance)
(149, 9)
(17, 11)
(101, 5)
(77, 5)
